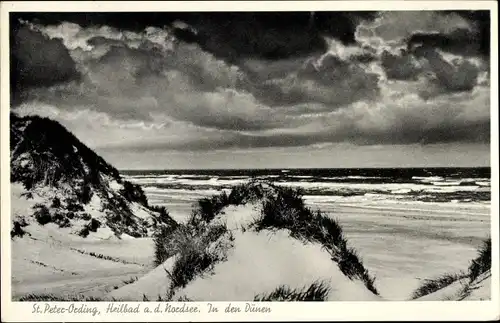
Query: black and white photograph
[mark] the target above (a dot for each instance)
(250, 156)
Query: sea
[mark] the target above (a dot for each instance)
(179, 189)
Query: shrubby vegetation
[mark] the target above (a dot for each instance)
(84, 232)
(42, 214)
(134, 193)
(192, 241)
(61, 219)
(17, 228)
(84, 193)
(60, 216)
(120, 217)
(198, 255)
(164, 242)
(73, 206)
(56, 202)
(184, 239)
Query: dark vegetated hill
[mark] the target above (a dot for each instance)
(43, 151)
(44, 154)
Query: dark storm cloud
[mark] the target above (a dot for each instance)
(400, 67)
(270, 35)
(460, 41)
(332, 82)
(232, 35)
(116, 81)
(449, 77)
(37, 61)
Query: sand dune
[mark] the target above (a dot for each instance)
(401, 249)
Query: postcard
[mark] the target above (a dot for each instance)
(249, 160)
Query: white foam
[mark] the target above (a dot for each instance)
(428, 178)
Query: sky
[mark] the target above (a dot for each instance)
(168, 90)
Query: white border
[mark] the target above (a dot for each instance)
(352, 311)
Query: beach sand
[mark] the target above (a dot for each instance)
(404, 243)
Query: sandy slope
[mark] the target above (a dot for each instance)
(257, 263)
(153, 284)
(50, 261)
(260, 262)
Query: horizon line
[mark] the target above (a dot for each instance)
(298, 168)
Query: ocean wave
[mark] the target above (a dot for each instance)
(224, 180)
(363, 186)
(438, 194)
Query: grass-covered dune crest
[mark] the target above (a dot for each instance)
(257, 242)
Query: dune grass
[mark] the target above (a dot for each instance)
(166, 299)
(196, 255)
(482, 263)
(286, 210)
(59, 298)
(208, 208)
(162, 240)
(317, 291)
(478, 266)
(430, 286)
(197, 249)
(183, 238)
